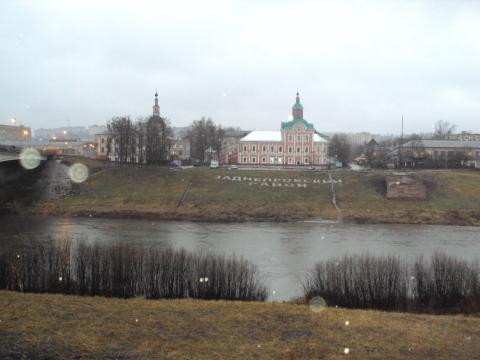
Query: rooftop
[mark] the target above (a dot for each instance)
(442, 144)
(273, 136)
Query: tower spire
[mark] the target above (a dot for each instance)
(297, 108)
(156, 107)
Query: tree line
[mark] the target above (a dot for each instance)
(149, 140)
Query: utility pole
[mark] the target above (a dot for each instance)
(400, 145)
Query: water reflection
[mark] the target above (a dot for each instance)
(283, 251)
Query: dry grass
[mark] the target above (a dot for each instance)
(56, 326)
(153, 192)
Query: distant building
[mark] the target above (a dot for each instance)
(13, 134)
(447, 153)
(297, 143)
(361, 138)
(230, 144)
(464, 136)
(180, 149)
(65, 133)
(64, 147)
(101, 143)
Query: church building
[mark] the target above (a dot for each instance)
(297, 143)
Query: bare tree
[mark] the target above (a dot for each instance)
(203, 134)
(122, 138)
(157, 139)
(442, 129)
(339, 147)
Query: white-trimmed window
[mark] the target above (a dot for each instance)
(298, 149)
(244, 160)
(289, 150)
(306, 149)
(289, 137)
(272, 149)
(254, 159)
(306, 137)
(299, 137)
(244, 148)
(254, 149)
(306, 161)
(264, 148)
(280, 149)
(264, 160)
(289, 160)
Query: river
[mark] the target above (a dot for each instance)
(282, 251)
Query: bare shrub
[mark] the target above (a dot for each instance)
(359, 281)
(444, 284)
(126, 271)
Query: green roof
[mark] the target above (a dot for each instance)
(297, 106)
(290, 124)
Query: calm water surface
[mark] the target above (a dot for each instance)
(282, 251)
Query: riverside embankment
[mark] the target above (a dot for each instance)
(199, 194)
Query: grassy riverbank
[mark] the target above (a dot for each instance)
(57, 326)
(157, 193)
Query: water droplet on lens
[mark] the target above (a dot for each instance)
(30, 158)
(78, 173)
(317, 304)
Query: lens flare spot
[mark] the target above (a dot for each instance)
(78, 173)
(30, 158)
(346, 351)
(317, 304)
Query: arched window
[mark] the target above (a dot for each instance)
(280, 149)
(264, 160)
(264, 148)
(306, 149)
(253, 148)
(254, 160)
(245, 148)
(271, 149)
(290, 150)
(306, 137)
(298, 149)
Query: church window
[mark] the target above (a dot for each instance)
(245, 148)
(254, 149)
(254, 160)
(264, 148)
(289, 150)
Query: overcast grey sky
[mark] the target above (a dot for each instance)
(358, 64)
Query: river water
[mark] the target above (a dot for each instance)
(283, 252)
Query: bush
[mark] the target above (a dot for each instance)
(443, 285)
(126, 271)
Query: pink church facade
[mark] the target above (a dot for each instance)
(296, 144)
